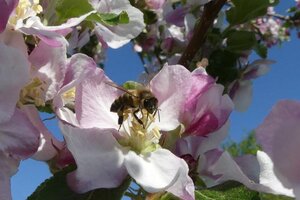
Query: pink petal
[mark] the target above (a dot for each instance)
(98, 157)
(14, 74)
(18, 136)
(210, 112)
(279, 136)
(243, 95)
(79, 67)
(176, 16)
(169, 86)
(197, 145)
(14, 39)
(93, 100)
(7, 6)
(155, 4)
(49, 145)
(51, 35)
(259, 175)
(50, 67)
(8, 167)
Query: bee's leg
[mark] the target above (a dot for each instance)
(157, 111)
(120, 121)
(136, 117)
(121, 117)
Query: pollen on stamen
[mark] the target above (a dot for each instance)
(139, 137)
(25, 9)
(32, 94)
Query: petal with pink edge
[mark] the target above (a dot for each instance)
(211, 111)
(93, 100)
(18, 136)
(259, 176)
(6, 8)
(8, 167)
(79, 67)
(100, 161)
(14, 74)
(14, 39)
(49, 145)
(51, 35)
(169, 87)
(50, 67)
(243, 96)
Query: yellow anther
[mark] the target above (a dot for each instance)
(141, 137)
(25, 9)
(32, 93)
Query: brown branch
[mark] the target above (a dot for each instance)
(210, 13)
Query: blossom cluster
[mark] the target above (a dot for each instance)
(164, 135)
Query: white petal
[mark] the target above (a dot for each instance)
(14, 74)
(117, 36)
(98, 157)
(155, 171)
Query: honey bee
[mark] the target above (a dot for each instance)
(135, 99)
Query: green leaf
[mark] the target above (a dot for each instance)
(56, 188)
(246, 10)
(67, 9)
(47, 108)
(168, 196)
(239, 41)
(227, 191)
(150, 17)
(246, 146)
(110, 19)
(264, 196)
(261, 50)
(222, 65)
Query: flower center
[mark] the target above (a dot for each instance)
(32, 93)
(25, 9)
(69, 98)
(140, 137)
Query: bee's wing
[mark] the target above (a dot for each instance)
(120, 88)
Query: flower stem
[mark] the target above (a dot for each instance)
(210, 13)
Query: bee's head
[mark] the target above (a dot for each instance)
(150, 104)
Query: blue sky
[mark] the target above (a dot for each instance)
(282, 82)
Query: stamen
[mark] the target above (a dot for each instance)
(32, 93)
(139, 137)
(25, 9)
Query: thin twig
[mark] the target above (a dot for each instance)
(210, 13)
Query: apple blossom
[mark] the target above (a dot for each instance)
(19, 138)
(241, 90)
(135, 149)
(202, 152)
